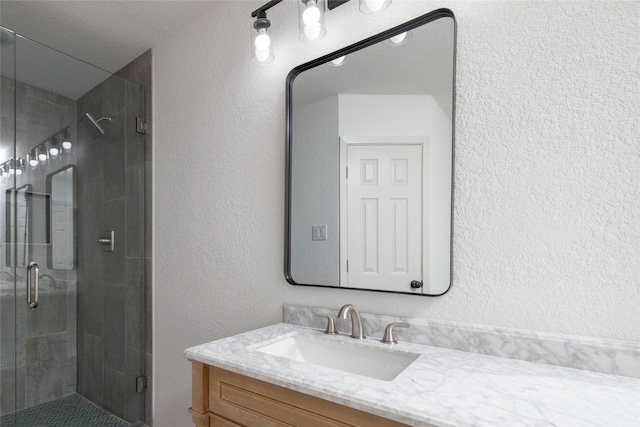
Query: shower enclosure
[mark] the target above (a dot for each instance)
(72, 241)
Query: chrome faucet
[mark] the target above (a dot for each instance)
(357, 331)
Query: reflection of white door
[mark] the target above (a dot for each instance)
(384, 216)
(61, 236)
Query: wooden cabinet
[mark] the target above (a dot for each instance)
(224, 398)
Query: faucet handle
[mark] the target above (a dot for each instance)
(331, 324)
(388, 332)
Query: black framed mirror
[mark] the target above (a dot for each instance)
(369, 162)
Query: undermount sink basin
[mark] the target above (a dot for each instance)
(355, 358)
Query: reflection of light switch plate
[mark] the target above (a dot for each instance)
(319, 232)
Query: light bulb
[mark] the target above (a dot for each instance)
(312, 32)
(42, 157)
(12, 170)
(263, 41)
(54, 151)
(398, 39)
(66, 145)
(374, 5)
(262, 55)
(338, 61)
(33, 162)
(311, 15)
(18, 171)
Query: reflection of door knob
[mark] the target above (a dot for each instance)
(108, 240)
(416, 284)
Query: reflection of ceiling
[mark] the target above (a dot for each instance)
(48, 69)
(106, 33)
(423, 65)
(109, 34)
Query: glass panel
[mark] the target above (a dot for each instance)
(8, 378)
(74, 173)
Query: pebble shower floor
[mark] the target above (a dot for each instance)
(70, 411)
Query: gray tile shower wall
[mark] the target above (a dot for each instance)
(111, 184)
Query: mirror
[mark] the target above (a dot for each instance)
(19, 224)
(370, 162)
(61, 218)
(20, 227)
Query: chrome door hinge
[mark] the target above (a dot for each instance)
(141, 125)
(141, 384)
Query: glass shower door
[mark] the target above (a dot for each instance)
(8, 365)
(72, 172)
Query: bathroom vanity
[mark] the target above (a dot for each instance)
(248, 379)
(225, 398)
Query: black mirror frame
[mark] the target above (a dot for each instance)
(407, 26)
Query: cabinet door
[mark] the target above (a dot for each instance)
(251, 402)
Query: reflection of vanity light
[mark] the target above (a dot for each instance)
(16, 167)
(33, 158)
(338, 61)
(398, 39)
(54, 150)
(312, 32)
(66, 142)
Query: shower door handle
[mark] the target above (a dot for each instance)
(33, 280)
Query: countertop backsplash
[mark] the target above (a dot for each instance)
(591, 354)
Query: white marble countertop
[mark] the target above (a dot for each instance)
(442, 387)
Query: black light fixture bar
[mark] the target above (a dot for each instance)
(332, 4)
(264, 8)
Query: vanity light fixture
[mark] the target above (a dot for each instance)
(366, 6)
(262, 40)
(261, 47)
(373, 6)
(311, 20)
(310, 23)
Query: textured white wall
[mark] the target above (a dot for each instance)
(547, 202)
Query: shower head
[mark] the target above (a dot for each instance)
(93, 125)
